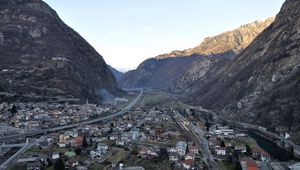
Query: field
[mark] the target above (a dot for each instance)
(226, 165)
(118, 155)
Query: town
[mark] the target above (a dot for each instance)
(144, 137)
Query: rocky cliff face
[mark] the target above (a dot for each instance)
(118, 75)
(157, 73)
(180, 71)
(44, 59)
(262, 84)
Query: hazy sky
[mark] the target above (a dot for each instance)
(126, 32)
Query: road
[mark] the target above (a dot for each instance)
(198, 138)
(251, 127)
(204, 143)
(21, 151)
(12, 145)
(44, 131)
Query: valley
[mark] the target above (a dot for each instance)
(232, 102)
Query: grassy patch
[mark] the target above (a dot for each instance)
(226, 165)
(96, 166)
(155, 165)
(31, 151)
(154, 99)
(118, 155)
(50, 168)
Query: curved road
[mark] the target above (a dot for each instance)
(44, 131)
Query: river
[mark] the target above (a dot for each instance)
(276, 152)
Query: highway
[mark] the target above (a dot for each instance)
(45, 131)
(21, 151)
(251, 127)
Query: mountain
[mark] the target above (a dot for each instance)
(262, 84)
(178, 70)
(44, 59)
(118, 75)
(157, 73)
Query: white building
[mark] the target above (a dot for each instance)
(181, 148)
(220, 151)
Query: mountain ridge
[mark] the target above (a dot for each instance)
(261, 85)
(44, 59)
(164, 71)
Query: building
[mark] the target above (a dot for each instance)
(220, 151)
(173, 157)
(249, 164)
(181, 147)
(265, 156)
(193, 149)
(187, 164)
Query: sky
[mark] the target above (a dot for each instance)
(126, 32)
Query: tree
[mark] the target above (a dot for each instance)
(49, 162)
(77, 151)
(248, 150)
(91, 142)
(59, 164)
(14, 109)
(223, 144)
(84, 142)
(207, 125)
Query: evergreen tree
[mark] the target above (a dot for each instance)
(223, 144)
(14, 109)
(49, 162)
(77, 151)
(84, 143)
(59, 164)
(207, 125)
(248, 150)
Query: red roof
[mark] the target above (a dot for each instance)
(253, 168)
(78, 140)
(251, 164)
(188, 162)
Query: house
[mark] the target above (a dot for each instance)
(189, 156)
(220, 151)
(72, 162)
(76, 141)
(181, 148)
(120, 142)
(249, 164)
(70, 154)
(193, 149)
(173, 157)
(241, 149)
(44, 144)
(55, 156)
(172, 150)
(149, 152)
(34, 166)
(265, 156)
(187, 164)
(102, 148)
(61, 144)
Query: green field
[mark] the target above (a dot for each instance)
(118, 155)
(226, 165)
(96, 166)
